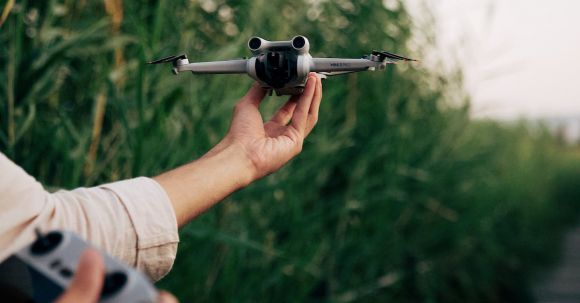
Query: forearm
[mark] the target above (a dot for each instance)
(133, 220)
(197, 186)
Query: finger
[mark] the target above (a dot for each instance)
(315, 106)
(250, 102)
(284, 114)
(300, 116)
(88, 280)
(165, 297)
(254, 96)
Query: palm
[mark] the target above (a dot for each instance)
(280, 144)
(270, 145)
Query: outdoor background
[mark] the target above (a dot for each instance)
(399, 195)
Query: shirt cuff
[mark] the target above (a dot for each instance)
(154, 221)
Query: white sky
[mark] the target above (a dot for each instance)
(520, 57)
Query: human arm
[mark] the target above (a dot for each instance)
(136, 220)
(250, 150)
(132, 220)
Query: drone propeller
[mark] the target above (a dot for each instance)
(168, 59)
(384, 55)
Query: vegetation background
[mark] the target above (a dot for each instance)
(398, 195)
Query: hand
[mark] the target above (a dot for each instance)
(250, 150)
(88, 281)
(272, 144)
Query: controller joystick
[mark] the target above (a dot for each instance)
(45, 243)
(113, 283)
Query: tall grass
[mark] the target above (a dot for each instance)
(398, 196)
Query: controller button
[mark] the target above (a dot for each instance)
(65, 272)
(55, 264)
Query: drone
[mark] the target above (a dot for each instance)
(283, 66)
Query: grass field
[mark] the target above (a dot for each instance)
(398, 196)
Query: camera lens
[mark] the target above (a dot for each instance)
(255, 43)
(298, 42)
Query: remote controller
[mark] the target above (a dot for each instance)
(41, 271)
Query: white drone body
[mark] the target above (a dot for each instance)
(283, 66)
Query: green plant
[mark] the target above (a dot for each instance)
(398, 195)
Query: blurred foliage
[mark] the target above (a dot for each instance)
(398, 196)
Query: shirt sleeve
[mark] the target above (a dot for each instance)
(132, 220)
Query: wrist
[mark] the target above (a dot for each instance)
(197, 186)
(239, 164)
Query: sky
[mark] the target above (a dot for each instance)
(521, 58)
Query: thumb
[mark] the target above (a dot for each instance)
(88, 280)
(165, 297)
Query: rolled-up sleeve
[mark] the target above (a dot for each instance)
(132, 220)
(153, 221)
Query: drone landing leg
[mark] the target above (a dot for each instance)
(321, 76)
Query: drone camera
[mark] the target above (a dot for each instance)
(255, 43)
(301, 44)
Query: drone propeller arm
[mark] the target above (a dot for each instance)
(238, 66)
(341, 65)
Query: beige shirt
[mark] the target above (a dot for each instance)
(132, 220)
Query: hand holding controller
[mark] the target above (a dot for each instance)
(43, 270)
(88, 281)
